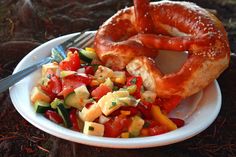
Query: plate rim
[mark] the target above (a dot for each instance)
(140, 142)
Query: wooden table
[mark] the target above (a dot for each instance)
(24, 25)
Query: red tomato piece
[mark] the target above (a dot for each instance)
(89, 70)
(74, 81)
(157, 130)
(53, 116)
(56, 84)
(88, 105)
(114, 127)
(100, 91)
(73, 119)
(138, 81)
(144, 132)
(72, 62)
(48, 91)
(53, 87)
(145, 109)
(72, 49)
(169, 104)
(115, 113)
(125, 122)
(179, 122)
(151, 123)
(65, 91)
(111, 130)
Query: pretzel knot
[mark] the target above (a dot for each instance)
(133, 36)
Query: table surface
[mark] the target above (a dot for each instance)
(25, 24)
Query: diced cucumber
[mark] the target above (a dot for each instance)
(87, 56)
(62, 111)
(136, 126)
(82, 92)
(41, 106)
(75, 101)
(55, 102)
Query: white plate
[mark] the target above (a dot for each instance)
(199, 111)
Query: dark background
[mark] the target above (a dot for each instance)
(25, 24)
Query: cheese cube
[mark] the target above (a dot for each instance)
(119, 77)
(102, 73)
(108, 83)
(82, 92)
(91, 113)
(92, 128)
(52, 66)
(148, 96)
(108, 103)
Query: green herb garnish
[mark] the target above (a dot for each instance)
(134, 80)
(113, 104)
(115, 88)
(91, 128)
(146, 124)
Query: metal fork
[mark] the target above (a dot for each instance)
(80, 40)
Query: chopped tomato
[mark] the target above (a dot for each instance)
(115, 113)
(53, 116)
(150, 123)
(48, 91)
(74, 81)
(144, 132)
(73, 119)
(145, 109)
(72, 49)
(135, 80)
(157, 130)
(112, 130)
(53, 87)
(179, 122)
(88, 105)
(152, 128)
(89, 70)
(100, 91)
(55, 82)
(114, 127)
(168, 104)
(72, 62)
(66, 91)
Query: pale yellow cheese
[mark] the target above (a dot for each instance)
(94, 129)
(108, 102)
(91, 113)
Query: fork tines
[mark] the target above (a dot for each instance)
(80, 40)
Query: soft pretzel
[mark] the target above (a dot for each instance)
(144, 29)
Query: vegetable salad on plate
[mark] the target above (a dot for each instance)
(80, 93)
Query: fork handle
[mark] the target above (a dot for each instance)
(7, 82)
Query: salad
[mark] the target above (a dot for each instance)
(80, 93)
